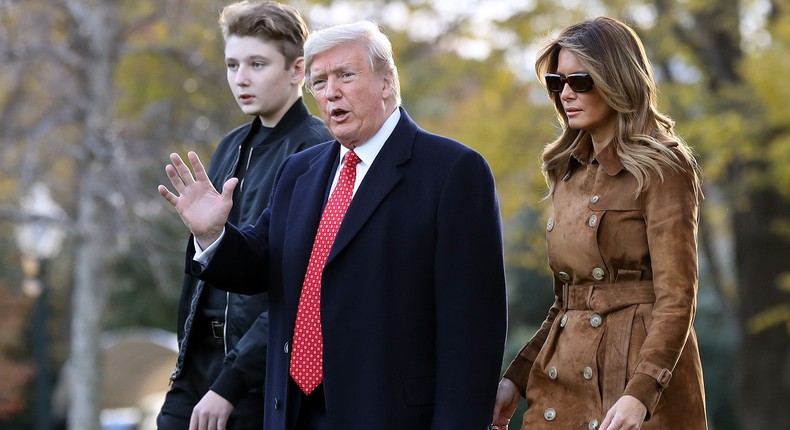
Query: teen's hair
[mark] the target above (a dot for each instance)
(269, 21)
(613, 55)
(367, 32)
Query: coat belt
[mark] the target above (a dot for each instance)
(618, 301)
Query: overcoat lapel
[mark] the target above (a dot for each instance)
(309, 195)
(380, 179)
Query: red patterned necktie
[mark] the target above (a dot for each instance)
(308, 347)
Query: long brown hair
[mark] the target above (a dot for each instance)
(615, 58)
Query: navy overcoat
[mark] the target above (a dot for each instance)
(413, 301)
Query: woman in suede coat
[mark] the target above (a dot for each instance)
(617, 350)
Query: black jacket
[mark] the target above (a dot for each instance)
(297, 130)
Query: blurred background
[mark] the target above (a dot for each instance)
(94, 95)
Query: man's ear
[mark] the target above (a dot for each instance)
(297, 71)
(387, 91)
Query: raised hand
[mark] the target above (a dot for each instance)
(202, 209)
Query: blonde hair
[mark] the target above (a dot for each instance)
(615, 58)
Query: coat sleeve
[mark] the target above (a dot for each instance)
(471, 313)
(240, 262)
(244, 367)
(671, 215)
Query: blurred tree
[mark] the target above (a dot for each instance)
(94, 93)
(15, 371)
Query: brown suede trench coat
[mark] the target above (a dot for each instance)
(625, 285)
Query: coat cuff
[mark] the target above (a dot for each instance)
(518, 371)
(230, 384)
(647, 384)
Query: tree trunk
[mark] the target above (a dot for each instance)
(762, 257)
(90, 286)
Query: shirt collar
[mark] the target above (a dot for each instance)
(368, 151)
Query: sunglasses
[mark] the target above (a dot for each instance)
(579, 82)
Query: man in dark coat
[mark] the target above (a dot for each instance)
(412, 309)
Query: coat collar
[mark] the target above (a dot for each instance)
(294, 117)
(381, 178)
(607, 158)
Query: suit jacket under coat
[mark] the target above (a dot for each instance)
(413, 299)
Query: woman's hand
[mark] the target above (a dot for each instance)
(628, 413)
(507, 398)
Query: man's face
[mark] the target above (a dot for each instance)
(258, 78)
(354, 101)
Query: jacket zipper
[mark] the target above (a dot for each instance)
(227, 295)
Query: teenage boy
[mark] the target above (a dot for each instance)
(264, 56)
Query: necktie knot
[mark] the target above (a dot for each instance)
(352, 159)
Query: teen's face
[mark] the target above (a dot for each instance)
(258, 78)
(353, 100)
(586, 111)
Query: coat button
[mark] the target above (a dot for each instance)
(587, 373)
(550, 414)
(593, 424)
(563, 320)
(595, 320)
(287, 348)
(276, 403)
(553, 373)
(550, 224)
(593, 220)
(598, 274)
(564, 276)
(594, 199)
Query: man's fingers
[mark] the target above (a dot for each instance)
(180, 169)
(197, 166)
(170, 197)
(228, 187)
(193, 421)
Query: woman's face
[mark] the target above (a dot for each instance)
(585, 111)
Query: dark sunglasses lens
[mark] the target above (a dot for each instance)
(554, 83)
(580, 83)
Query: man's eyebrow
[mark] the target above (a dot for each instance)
(249, 58)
